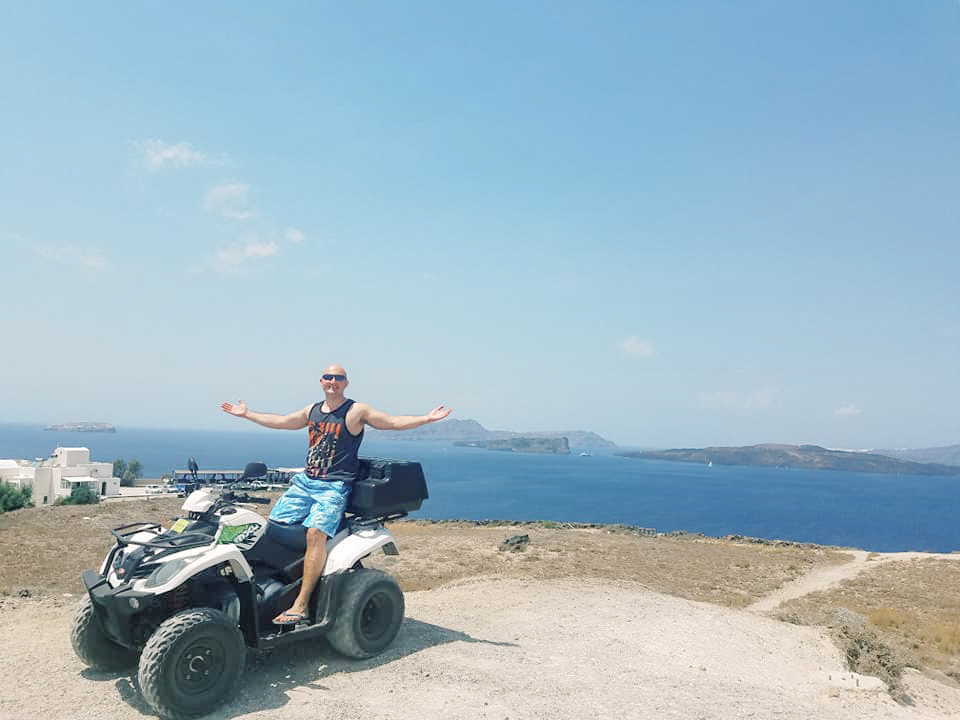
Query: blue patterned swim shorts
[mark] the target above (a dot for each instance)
(315, 503)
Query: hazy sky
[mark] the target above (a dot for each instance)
(672, 223)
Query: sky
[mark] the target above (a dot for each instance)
(676, 224)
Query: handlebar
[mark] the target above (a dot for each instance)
(229, 497)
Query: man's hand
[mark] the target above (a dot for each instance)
(439, 413)
(240, 409)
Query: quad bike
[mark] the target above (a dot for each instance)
(186, 601)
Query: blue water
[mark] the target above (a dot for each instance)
(884, 513)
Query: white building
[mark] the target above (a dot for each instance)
(57, 476)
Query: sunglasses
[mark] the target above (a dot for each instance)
(331, 376)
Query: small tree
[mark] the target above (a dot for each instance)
(14, 498)
(127, 472)
(120, 470)
(82, 495)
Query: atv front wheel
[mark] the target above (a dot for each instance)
(191, 663)
(91, 643)
(369, 614)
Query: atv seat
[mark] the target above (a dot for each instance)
(280, 546)
(291, 537)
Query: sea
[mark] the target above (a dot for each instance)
(882, 513)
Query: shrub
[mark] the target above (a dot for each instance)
(866, 653)
(81, 496)
(14, 498)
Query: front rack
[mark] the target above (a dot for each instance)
(175, 542)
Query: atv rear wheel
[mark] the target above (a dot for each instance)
(91, 643)
(191, 663)
(369, 614)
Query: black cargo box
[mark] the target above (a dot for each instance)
(384, 487)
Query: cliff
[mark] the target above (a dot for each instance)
(810, 457)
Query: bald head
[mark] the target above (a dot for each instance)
(335, 370)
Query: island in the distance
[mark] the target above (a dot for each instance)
(82, 427)
(809, 457)
(549, 445)
(471, 432)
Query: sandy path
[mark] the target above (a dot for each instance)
(504, 649)
(825, 577)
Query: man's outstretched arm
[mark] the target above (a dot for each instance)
(293, 421)
(382, 421)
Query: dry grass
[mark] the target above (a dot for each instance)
(45, 549)
(710, 570)
(913, 606)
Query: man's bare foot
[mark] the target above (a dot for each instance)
(290, 617)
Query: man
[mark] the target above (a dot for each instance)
(318, 496)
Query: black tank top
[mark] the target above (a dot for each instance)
(332, 451)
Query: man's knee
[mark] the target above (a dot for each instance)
(315, 536)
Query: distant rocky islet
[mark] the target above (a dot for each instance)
(807, 457)
(82, 427)
(470, 433)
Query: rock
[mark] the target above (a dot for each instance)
(517, 543)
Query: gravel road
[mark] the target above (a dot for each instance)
(501, 649)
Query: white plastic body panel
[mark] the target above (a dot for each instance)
(346, 548)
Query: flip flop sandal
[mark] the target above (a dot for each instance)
(295, 618)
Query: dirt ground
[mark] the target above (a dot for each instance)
(899, 613)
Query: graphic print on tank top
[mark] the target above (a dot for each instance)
(332, 452)
(323, 447)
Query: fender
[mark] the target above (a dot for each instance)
(192, 562)
(344, 552)
(105, 564)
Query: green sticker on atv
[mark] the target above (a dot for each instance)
(236, 533)
(180, 525)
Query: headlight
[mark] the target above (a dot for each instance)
(165, 572)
